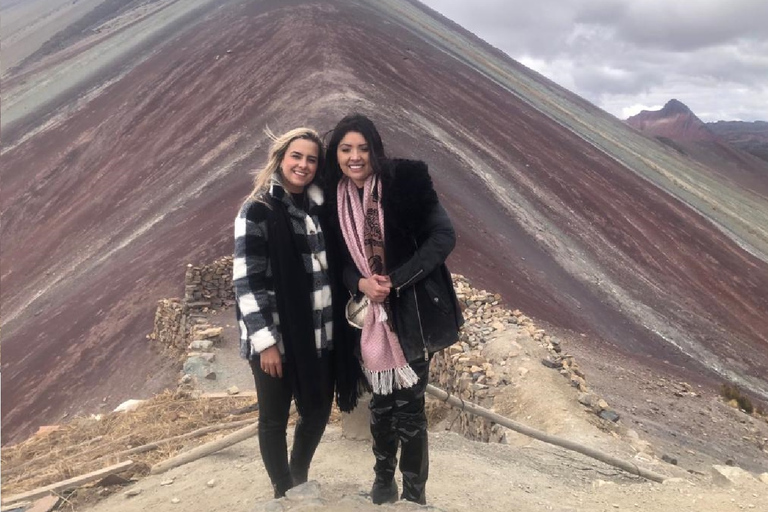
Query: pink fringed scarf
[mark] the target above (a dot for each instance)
(362, 224)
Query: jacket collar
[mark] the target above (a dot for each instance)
(314, 195)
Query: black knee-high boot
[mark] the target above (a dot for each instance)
(414, 458)
(411, 420)
(385, 441)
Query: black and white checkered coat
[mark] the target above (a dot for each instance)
(252, 272)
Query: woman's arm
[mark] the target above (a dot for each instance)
(249, 277)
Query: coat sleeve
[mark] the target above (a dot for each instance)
(436, 239)
(249, 276)
(351, 274)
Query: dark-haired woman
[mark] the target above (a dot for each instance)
(396, 237)
(282, 275)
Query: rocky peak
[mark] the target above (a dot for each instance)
(674, 121)
(675, 107)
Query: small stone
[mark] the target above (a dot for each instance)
(209, 333)
(175, 501)
(44, 504)
(549, 363)
(727, 475)
(113, 479)
(588, 399)
(669, 460)
(764, 478)
(233, 390)
(211, 483)
(201, 345)
(210, 375)
(578, 382)
(609, 415)
(304, 492)
(273, 506)
(522, 371)
(167, 482)
(130, 493)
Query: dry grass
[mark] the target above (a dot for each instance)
(86, 444)
(732, 392)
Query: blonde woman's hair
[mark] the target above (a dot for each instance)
(270, 172)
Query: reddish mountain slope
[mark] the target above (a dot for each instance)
(675, 121)
(558, 206)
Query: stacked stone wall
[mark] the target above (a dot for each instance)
(462, 371)
(206, 288)
(170, 324)
(210, 285)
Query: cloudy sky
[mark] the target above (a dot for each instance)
(629, 55)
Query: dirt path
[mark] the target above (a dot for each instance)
(465, 475)
(229, 367)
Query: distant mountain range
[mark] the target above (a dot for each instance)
(677, 122)
(750, 137)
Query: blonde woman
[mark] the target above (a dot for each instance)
(285, 310)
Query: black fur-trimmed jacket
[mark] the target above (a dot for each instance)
(419, 237)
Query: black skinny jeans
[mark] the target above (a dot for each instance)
(274, 395)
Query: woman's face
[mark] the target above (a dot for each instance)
(353, 155)
(299, 165)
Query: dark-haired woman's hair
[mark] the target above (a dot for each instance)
(365, 127)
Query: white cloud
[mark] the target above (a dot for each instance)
(636, 109)
(710, 54)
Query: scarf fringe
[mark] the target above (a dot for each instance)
(384, 382)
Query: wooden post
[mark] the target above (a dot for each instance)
(471, 408)
(70, 483)
(206, 449)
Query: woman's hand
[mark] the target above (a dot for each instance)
(271, 363)
(376, 287)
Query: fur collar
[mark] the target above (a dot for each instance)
(314, 195)
(408, 194)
